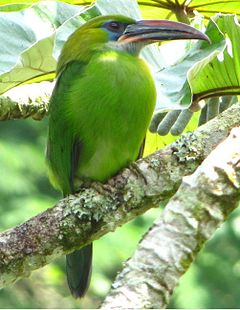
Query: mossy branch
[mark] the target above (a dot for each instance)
(94, 211)
(10, 109)
(25, 101)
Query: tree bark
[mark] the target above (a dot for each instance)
(77, 220)
(201, 204)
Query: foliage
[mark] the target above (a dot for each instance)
(35, 58)
(212, 282)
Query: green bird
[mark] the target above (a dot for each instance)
(100, 109)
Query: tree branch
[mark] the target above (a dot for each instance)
(10, 109)
(26, 101)
(201, 204)
(77, 220)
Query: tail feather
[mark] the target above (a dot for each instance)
(79, 269)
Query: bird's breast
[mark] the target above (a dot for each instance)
(114, 111)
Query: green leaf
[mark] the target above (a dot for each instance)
(211, 7)
(182, 10)
(162, 9)
(173, 88)
(27, 40)
(221, 75)
(33, 63)
(14, 7)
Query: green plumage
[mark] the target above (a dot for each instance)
(104, 108)
(100, 110)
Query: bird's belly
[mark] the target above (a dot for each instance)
(106, 161)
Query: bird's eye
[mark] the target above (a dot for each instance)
(115, 26)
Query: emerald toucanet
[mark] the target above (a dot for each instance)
(101, 107)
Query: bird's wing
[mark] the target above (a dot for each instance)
(63, 147)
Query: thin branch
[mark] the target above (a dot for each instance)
(10, 109)
(77, 220)
(26, 101)
(202, 203)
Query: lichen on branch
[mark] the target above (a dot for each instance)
(201, 204)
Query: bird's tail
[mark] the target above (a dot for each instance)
(79, 267)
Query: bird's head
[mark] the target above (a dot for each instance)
(124, 33)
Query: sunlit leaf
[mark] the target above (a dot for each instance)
(182, 9)
(27, 40)
(220, 76)
(173, 89)
(14, 7)
(211, 7)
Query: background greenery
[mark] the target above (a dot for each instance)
(213, 281)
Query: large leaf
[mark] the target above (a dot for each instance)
(220, 76)
(173, 88)
(207, 71)
(27, 39)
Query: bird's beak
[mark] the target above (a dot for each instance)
(159, 30)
